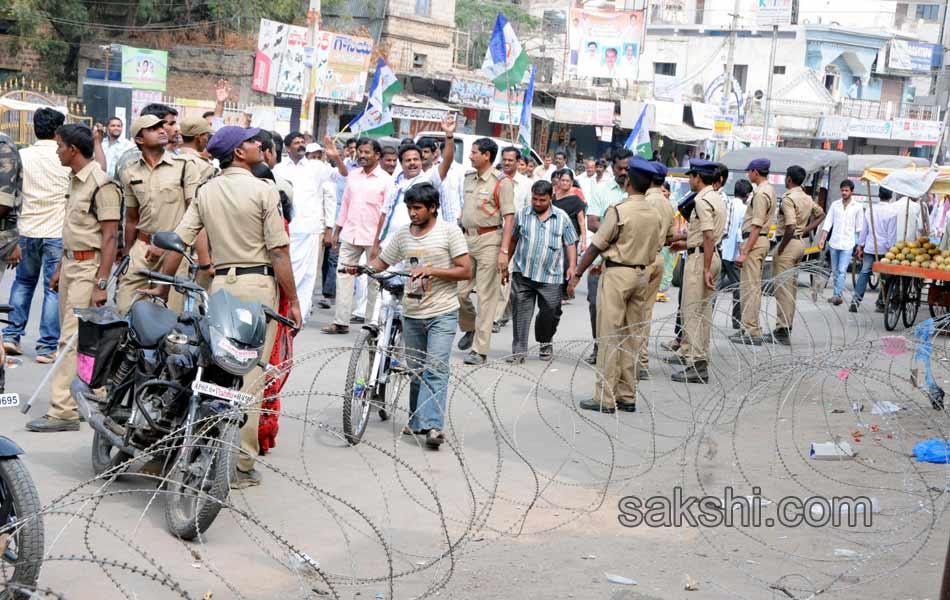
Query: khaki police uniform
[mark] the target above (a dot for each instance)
(162, 195)
(667, 216)
(761, 213)
(205, 167)
(79, 269)
(488, 199)
(708, 215)
(796, 207)
(629, 238)
(241, 214)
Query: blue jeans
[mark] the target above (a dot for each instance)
(840, 260)
(861, 285)
(428, 350)
(328, 268)
(38, 253)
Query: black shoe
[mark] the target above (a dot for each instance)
(546, 352)
(643, 374)
(466, 342)
(474, 358)
(853, 308)
(515, 359)
(742, 338)
(323, 304)
(780, 336)
(596, 406)
(627, 406)
(592, 359)
(48, 424)
(675, 359)
(356, 319)
(503, 323)
(692, 374)
(496, 327)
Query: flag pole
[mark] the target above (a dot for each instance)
(508, 99)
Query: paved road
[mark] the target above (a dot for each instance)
(524, 501)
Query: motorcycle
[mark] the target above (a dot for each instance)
(172, 389)
(21, 519)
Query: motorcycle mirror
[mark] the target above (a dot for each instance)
(169, 240)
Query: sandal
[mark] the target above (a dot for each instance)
(434, 438)
(335, 329)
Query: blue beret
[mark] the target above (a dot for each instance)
(759, 164)
(643, 165)
(226, 139)
(661, 169)
(703, 167)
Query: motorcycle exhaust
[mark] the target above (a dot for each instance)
(96, 419)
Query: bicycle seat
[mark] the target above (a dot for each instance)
(150, 322)
(5, 308)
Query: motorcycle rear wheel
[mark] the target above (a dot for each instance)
(23, 551)
(105, 456)
(198, 483)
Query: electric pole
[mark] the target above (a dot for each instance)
(727, 84)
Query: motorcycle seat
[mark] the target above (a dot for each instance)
(150, 322)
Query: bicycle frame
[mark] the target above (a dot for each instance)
(387, 310)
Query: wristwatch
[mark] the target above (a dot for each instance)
(102, 284)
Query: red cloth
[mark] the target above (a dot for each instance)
(282, 352)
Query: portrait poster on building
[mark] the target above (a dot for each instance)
(342, 62)
(271, 44)
(605, 42)
(293, 76)
(144, 69)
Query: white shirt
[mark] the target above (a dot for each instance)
(310, 203)
(113, 150)
(522, 191)
(846, 221)
(542, 173)
(586, 183)
(910, 223)
(735, 213)
(452, 191)
(45, 185)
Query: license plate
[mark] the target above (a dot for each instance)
(9, 400)
(210, 389)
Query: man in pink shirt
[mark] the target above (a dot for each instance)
(355, 230)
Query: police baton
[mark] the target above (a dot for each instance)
(121, 268)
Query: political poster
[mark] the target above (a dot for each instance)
(293, 76)
(144, 69)
(605, 42)
(473, 94)
(271, 44)
(341, 62)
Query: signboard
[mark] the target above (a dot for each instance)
(506, 106)
(704, 115)
(772, 13)
(142, 98)
(668, 87)
(908, 55)
(605, 42)
(583, 112)
(342, 62)
(144, 69)
(752, 135)
(293, 77)
(473, 94)
(722, 128)
(271, 44)
(669, 113)
(833, 128)
(870, 128)
(418, 113)
(923, 133)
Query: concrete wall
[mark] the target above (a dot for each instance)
(408, 34)
(17, 56)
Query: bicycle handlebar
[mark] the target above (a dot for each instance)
(365, 270)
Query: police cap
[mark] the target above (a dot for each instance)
(143, 122)
(228, 138)
(643, 165)
(702, 167)
(195, 126)
(759, 164)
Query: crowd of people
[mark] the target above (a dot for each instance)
(285, 221)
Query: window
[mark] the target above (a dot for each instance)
(778, 70)
(554, 21)
(740, 72)
(423, 8)
(928, 12)
(419, 61)
(545, 72)
(665, 69)
(700, 9)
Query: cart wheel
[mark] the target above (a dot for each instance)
(873, 280)
(912, 289)
(893, 304)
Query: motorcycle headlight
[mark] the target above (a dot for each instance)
(232, 358)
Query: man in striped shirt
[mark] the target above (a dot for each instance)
(45, 185)
(542, 234)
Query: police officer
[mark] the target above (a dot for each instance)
(629, 238)
(663, 206)
(195, 133)
(93, 208)
(795, 211)
(158, 188)
(758, 221)
(488, 217)
(706, 226)
(242, 218)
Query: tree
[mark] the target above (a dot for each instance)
(478, 19)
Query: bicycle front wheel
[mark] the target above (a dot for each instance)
(357, 395)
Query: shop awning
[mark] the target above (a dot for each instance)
(418, 108)
(543, 112)
(682, 133)
(913, 182)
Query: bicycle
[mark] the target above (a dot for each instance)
(377, 358)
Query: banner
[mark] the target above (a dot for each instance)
(418, 113)
(908, 55)
(870, 128)
(922, 133)
(293, 77)
(771, 13)
(583, 112)
(507, 106)
(271, 44)
(722, 128)
(704, 115)
(833, 128)
(342, 62)
(605, 42)
(473, 94)
(144, 69)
